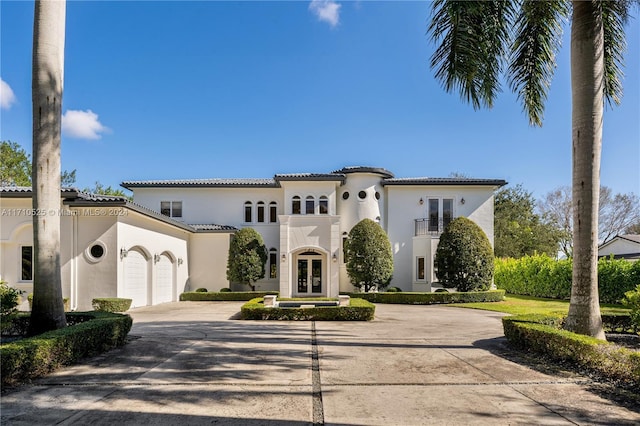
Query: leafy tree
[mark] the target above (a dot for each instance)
(464, 257)
(247, 257)
(47, 311)
(106, 190)
(618, 213)
(477, 39)
(369, 256)
(518, 230)
(15, 166)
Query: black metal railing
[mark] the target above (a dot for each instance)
(430, 226)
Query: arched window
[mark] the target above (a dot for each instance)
(310, 204)
(248, 211)
(295, 205)
(273, 263)
(260, 211)
(273, 212)
(323, 205)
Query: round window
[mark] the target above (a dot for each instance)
(362, 195)
(377, 195)
(345, 195)
(95, 252)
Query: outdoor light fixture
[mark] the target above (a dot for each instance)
(421, 202)
(462, 201)
(334, 258)
(156, 258)
(284, 257)
(180, 261)
(123, 253)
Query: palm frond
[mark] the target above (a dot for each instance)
(538, 36)
(472, 37)
(615, 15)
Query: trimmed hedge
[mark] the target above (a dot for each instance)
(409, 298)
(240, 296)
(541, 334)
(111, 304)
(542, 276)
(358, 310)
(92, 334)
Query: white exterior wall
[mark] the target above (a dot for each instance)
(208, 254)
(152, 237)
(403, 207)
(619, 246)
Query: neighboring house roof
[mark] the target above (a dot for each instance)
(337, 175)
(74, 198)
(444, 181)
(629, 254)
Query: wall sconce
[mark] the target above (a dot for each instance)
(334, 258)
(123, 253)
(180, 261)
(284, 257)
(421, 202)
(462, 201)
(156, 258)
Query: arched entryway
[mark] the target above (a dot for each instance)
(310, 274)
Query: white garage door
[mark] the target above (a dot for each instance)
(164, 280)
(135, 278)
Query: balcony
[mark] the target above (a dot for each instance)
(430, 226)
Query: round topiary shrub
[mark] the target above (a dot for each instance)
(225, 290)
(464, 258)
(393, 290)
(111, 304)
(201, 290)
(368, 256)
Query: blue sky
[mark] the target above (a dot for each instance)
(163, 90)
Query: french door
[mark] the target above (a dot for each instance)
(309, 274)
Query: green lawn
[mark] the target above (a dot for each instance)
(516, 305)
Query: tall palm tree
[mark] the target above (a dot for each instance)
(478, 40)
(47, 77)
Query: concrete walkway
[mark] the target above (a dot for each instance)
(192, 363)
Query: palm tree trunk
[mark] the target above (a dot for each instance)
(587, 84)
(47, 77)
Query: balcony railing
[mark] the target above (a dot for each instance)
(430, 226)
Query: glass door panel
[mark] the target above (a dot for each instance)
(316, 276)
(303, 272)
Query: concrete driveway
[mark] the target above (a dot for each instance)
(193, 363)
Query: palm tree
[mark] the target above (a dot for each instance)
(478, 40)
(47, 77)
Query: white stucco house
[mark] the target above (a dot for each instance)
(175, 235)
(622, 247)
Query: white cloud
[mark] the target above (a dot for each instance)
(326, 10)
(7, 98)
(82, 125)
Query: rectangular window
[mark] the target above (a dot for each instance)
(273, 213)
(434, 206)
(171, 208)
(165, 208)
(310, 204)
(295, 205)
(447, 211)
(273, 264)
(260, 213)
(26, 263)
(247, 213)
(420, 273)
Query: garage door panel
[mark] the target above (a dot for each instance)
(136, 283)
(164, 280)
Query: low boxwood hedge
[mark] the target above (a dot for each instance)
(541, 334)
(241, 296)
(358, 310)
(408, 298)
(92, 334)
(111, 304)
